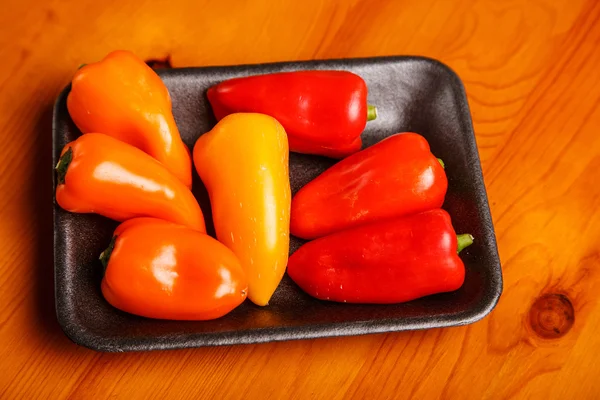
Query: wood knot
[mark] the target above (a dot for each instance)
(552, 316)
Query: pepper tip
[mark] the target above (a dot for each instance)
(464, 241)
(371, 112)
(105, 255)
(63, 165)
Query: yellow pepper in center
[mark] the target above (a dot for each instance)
(243, 162)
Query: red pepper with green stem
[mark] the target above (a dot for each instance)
(384, 262)
(397, 176)
(317, 108)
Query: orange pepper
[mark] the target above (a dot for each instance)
(243, 161)
(159, 269)
(121, 96)
(100, 174)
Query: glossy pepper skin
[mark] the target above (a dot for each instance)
(392, 261)
(243, 161)
(397, 176)
(121, 96)
(315, 107)
(158, 269)
(100, 174)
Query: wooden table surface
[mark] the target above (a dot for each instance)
(532, 74)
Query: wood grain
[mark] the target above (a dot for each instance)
(532, 75)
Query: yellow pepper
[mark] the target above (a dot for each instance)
(243, 161)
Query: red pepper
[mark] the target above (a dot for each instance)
(384, 262)
(397, 176)
(315, 107)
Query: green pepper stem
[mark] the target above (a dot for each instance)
(442, 163)
(63, 165)
(371, 112)
(464, 241)
(105, 255)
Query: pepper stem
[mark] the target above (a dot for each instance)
(63, 165)
(371, 112)
(105, 255)
(464, 241)
(442, 163)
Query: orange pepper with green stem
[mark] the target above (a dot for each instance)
(100, 174)
(159, 269)
(243, 161)
(121, 96)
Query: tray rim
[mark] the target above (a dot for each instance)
(275, 334)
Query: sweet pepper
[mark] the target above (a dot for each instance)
(243, 161)
(121, 96)
(391, 261)
(99, 174)
(316, 108)
(158, 269)
(395, 177)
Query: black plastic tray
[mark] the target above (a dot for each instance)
(411, 94)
